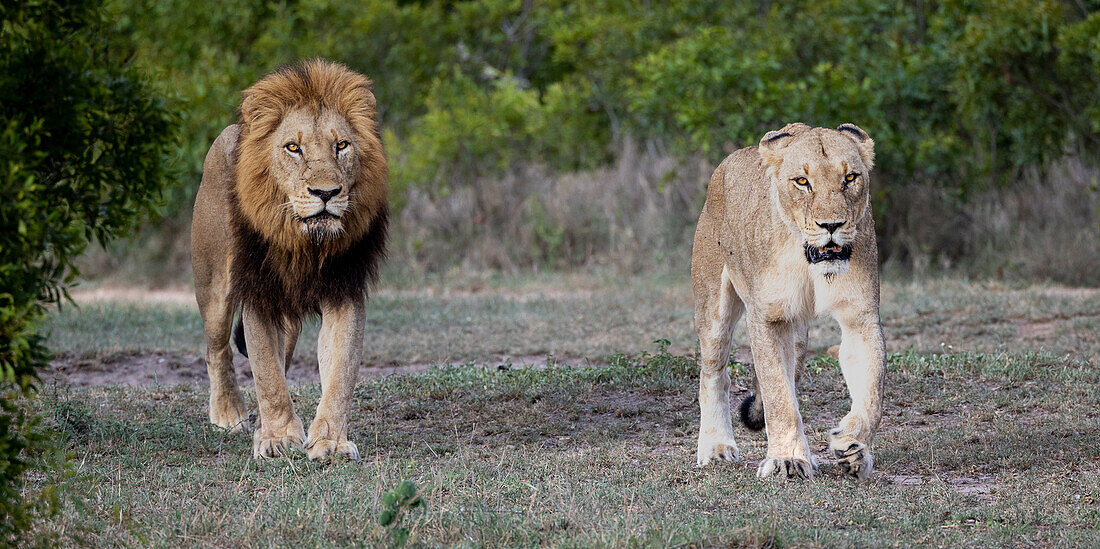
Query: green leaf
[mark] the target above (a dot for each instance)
(386, 517)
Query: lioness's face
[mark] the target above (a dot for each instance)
(820, 182)
(315, 163)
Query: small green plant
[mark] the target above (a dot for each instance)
(662, 345)
(395, 504)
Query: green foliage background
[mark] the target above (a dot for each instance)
(85, 147)
(958, 93)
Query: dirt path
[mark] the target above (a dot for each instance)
(146, 369)
(521, 325)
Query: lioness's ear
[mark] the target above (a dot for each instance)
(863, 141)
(771, 146)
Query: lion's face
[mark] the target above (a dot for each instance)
(820, 181)
(315, 163)
(310, 171)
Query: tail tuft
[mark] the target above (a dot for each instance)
(752, 413)
(238, 337)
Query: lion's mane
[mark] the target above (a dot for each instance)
(277, 270)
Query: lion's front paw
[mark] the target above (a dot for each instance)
(325, 449)
(715, 449)
(785, 467)
(268, 444)
(854, 457)
(227, 414)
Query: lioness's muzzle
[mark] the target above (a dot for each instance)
(829, 252)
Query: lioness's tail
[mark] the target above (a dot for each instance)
(238, 337)
(752, 413)
(752, 408)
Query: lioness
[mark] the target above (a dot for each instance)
(290, 220)
(785, 235)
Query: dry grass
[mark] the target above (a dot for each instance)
(579, 318)
(980, 450)
(638, 215)
(985, 441)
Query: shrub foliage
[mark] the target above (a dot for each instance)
(84, 145)
(958, 94)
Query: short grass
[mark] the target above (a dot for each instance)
(991, 435)
(589, 317)
(975, 449)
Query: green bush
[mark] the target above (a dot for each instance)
(84, 144)
(960, 95)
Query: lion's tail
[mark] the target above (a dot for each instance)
(752, 409)
(238, 337)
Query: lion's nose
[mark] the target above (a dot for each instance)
(831, 226)
(326, 194)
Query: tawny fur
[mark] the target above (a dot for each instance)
(257, 247)
(750, 257)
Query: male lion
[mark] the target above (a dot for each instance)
(785, 235)
(290, 220)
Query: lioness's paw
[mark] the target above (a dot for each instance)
(229, 416)
(325, 449)
(785, 467)
(712, 450)
(268, 445)
(854, 458)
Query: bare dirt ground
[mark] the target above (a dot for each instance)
(167, 369)
(132, 336)
(989, 435)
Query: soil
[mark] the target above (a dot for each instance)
(143, 369)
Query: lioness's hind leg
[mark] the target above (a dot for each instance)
(717, 308)
(752, 408)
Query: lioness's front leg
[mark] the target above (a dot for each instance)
(863, 362)
(773, 351)
(279, 427)
(339, 349)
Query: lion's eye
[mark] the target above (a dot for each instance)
(851, 177)
(802, 182)
(294, 148)
(342, 145)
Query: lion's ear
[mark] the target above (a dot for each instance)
(248, 104)
(369, 94)
(250, 107)
(863, 141)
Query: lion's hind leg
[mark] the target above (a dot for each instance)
(717, 309)
(227, 408)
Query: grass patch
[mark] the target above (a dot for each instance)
(579, 317)
(975, 449)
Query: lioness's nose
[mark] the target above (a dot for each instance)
(831, 226)
(324, 195)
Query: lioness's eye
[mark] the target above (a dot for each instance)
(294, 148)
(342, 145)
(851, 177)
(802, 182)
